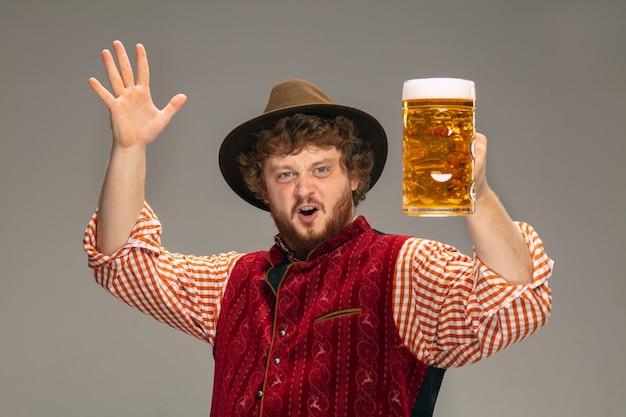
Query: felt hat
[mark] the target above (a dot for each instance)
(288, 98)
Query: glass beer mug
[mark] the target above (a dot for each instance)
(438, 147)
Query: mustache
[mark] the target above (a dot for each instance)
(306, 201)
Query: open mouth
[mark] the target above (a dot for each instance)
(308, 210)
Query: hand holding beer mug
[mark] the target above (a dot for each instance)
(438, 147)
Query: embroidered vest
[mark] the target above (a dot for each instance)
(315, 338)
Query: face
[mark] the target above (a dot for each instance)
(310, 196)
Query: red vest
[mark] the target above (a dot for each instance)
(324, 343)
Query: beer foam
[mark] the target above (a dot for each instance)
(438, 88)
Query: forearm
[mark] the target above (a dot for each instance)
(121, 198)
(498, 242)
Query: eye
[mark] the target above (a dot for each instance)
(321, 171)
(285, 176)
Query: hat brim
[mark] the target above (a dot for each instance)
(368, 129)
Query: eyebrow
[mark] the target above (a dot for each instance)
(325, 161)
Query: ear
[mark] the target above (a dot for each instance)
(264, 196)
(354, 183)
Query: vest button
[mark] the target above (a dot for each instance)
(259, 394)
(282, 333)
(277, 361)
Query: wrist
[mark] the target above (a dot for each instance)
(484, 193)
(131, 150)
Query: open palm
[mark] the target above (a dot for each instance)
(135, 120)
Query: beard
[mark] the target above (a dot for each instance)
(303, 242)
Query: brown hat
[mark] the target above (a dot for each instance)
(288, 98)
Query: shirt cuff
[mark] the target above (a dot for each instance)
(146, 234)
(494, 292)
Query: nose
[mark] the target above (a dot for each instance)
(304, 186)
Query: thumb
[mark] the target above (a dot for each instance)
(176, 103)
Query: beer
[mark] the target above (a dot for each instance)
(437, 147)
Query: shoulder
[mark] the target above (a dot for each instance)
(251, 259)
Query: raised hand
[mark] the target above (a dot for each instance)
(135, 120)
(496, 238)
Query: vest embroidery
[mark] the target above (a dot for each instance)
(315, 338)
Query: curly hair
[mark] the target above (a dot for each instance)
(292, 133)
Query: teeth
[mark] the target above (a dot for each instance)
(307, 209)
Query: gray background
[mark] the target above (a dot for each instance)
(551, 86)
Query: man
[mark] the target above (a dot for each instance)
(335, 319)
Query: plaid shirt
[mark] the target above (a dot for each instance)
(450, 309)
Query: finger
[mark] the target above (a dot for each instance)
(143, 70)
(176, 103)
(480, 144)
(126, 69)
(117, 85)
(102, 92)
(480, 153)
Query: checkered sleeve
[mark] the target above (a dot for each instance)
(452, 310)
(181, 291)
